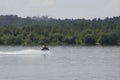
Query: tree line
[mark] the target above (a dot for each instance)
(37, 31)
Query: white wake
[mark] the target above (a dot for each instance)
(28, 51)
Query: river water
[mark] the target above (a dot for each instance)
(60, 63)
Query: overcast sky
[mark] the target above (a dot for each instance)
(61, 8)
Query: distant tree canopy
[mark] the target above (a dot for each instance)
(89, 39)
(109, 39)
(15, 30)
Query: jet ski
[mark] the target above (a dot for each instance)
(45, 48)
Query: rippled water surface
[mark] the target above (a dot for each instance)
(60, 63)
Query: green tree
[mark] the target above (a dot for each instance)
(1, 41)
(109, 39)
(89, 39)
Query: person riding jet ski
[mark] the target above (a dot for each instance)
(45, 48)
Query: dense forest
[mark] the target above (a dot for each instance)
(35, 31)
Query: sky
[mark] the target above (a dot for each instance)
(71, 9)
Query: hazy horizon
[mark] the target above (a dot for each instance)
(71, 9)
